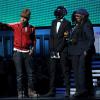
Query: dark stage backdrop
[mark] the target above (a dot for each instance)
(43, 33)
(42, 41)
(42, 10)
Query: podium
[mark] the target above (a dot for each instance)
(6, 44)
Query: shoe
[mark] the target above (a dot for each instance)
(78, 96)
(67, 96)
(20, 94)
(49, 94)
(32, 93)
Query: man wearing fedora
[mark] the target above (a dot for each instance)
(24, 43)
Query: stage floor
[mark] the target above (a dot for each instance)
(49, 98)
(59, 96)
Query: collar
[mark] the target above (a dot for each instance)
(60, 20)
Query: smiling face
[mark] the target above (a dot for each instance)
(79, 17)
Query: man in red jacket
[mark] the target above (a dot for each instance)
(24, 43)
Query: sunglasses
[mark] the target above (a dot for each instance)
(77, 15)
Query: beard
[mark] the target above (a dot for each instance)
(25, 23)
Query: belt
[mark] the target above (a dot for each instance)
(20, 51)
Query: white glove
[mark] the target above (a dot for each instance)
(52, 55)
(85, 53)
(57, 55)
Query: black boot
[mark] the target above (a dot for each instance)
(51, 93)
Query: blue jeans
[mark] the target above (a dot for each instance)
(20, 58)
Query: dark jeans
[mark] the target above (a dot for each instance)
(65, 65)
(78, 65)
(20, 59)
(65, 70)
(88, 75)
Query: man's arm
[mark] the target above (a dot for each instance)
(33, 39)
(88, 30)
(4, 26)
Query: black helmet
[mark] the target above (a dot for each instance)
(60, 12)
(82, 11)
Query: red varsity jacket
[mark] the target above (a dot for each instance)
(24, 37)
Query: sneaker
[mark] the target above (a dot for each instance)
(32, 93)
(20, 94)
